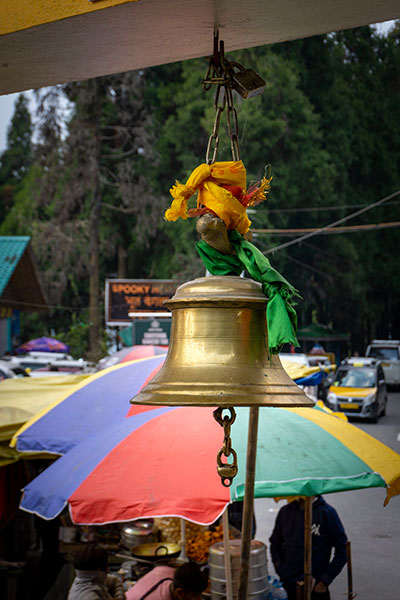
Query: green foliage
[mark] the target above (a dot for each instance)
(328, 123)
(77, 336)
(16, 159)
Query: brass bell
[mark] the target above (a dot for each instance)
(218, 353)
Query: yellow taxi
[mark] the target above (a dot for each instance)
(359, 389)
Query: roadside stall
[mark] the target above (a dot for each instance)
(138, 470)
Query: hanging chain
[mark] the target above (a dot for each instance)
(227, 76)
(214, 137)
(220, 73)
(227, 471)
(232, 123)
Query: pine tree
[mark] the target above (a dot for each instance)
(17, 157)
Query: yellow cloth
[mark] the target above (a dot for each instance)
(296, 370)
(21, 398)
(207, 180)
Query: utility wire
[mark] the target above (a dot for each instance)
(46, 306)
(318, 208)
(343, 220)
(328, 254)
(305, 265)
(329, 230)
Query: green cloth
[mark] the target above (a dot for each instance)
(281, 315)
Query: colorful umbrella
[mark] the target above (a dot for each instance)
(43, 344)
(101, 400)
(131, 353)
(163, 463)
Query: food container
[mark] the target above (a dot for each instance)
(156, 551)
(129, 569)
(138, 532)
(68, 534)
(258, 570)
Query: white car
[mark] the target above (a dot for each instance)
(388, 352)
(5, 371)
(46, 363)
(296, 357)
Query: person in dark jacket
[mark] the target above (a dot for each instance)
(287, 546)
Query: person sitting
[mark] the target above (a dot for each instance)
(92, 582)
(186, 582)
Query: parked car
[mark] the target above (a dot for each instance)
(388, 351)
(42, 363)
(297, 357)
(8, 370)
(359, 389)
(315, 360)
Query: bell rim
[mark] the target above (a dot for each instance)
(225, 395)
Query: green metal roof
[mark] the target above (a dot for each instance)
(11, 251)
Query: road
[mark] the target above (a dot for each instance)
(374, 530)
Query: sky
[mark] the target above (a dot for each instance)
(7, 101)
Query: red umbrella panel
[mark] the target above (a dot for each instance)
(163, 463)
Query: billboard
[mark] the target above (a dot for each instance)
(154, 332)
(140, 296)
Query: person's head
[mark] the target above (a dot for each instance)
(189, 582)
(90, 558)
(301, 500)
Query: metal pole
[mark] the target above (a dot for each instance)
(248, 501)
(307, 546)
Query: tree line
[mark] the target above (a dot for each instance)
(92, 184)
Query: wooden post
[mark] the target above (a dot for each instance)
(227, 556)
(349, 572)
(248, 502)
(307, 546)
(183, 554)
(300, 590)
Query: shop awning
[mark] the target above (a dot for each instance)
(20, 287)
(44, 43)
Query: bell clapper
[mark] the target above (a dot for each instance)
(227, 471)
(213, 231)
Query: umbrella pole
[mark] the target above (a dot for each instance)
(183, 540)
(350, 595)
(227, 555)
(248, 501)
(307, 546)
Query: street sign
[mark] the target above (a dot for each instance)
(139, 296)
(151, 331)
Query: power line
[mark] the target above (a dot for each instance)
(339, 222)
(305, 265)
(318, 208)
(328, 254)
(329, 230)
(46, 306)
